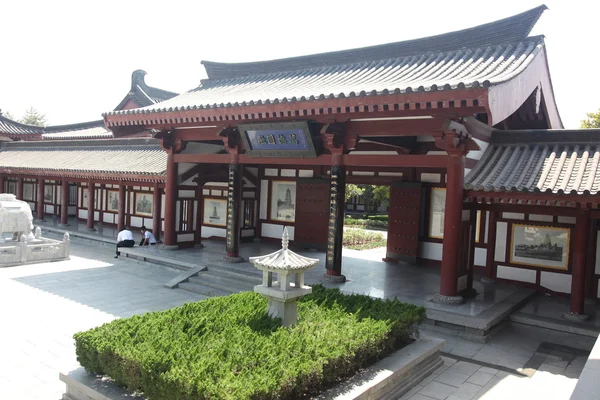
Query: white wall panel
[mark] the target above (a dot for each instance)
(305, 173)
(429, 177)
(557, 282)
(209, 231)
(541, 218)
(567, 220)
(288, 172)
(516, 274)
(501, 241)
(430, 250)
(275, 231)
(137, 221)
(271, 172)
(264, 198)
(185, 237)
(510, 215)
(480, 257)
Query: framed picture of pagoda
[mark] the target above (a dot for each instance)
(144, 203)
(540, 246)
(283, 201)
(215, 212)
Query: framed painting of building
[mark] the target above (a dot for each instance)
(144, 203)
(283, 201)
(112, 201)
(49, 194)
(215, 212)
(540, 246)
(28, 191)
(437, 209)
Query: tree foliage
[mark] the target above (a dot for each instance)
(33, 117)
(8, 115)
(592, 120)
(373, 195)
(353, 190)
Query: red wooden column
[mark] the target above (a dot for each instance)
(121, 214)
(490, 268)
(40, 200)
(20, 188)
(91, 201)
(64, 203)
(452, 224)
(169, 236)
(578, 269)
(156, 213)
(1, 183)
(335, 233)
(234, 197)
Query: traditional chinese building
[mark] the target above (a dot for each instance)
(462, 126)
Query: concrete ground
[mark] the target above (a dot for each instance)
(45, 304)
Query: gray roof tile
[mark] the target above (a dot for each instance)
(486, 55)
(10, 127)
(539, 161)
(118, 156)
(85, 130)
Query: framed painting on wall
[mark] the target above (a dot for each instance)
(49, 194)
(144, 203)
(28, 191)
(437, 209)
(112, 201)
(540, 246)
(215, 212)
(283, 201)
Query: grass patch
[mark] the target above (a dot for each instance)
(359, 239)
(374, 222)
(228, 348)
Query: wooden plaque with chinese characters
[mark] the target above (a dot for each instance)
(312, 213)
(404, 218)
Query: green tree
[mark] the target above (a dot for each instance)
(7, 114)
(592, 120)
(33, 117)
(353, 190)
(382, 194)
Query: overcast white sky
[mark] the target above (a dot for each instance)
(72, 60)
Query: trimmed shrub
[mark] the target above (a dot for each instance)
(228, 348)
(359, 239)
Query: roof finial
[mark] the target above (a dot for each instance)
(285, 239)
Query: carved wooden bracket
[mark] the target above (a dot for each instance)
(170, 144)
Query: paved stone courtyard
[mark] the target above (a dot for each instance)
(44, 304)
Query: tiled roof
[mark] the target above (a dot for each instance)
(85, 130)
(10, 127)
(486, 55)
(539, 161)
(142, 94)
(109, 156)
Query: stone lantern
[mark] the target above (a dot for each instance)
(283, 293)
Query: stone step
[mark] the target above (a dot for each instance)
(203, 290)
(238, 275)
(579, 328)
(221, 283)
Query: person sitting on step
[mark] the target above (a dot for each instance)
(124, 239)
(147, 237)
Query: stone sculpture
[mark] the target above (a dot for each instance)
(15, 218)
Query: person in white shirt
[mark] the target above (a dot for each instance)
(147, 237)
(124, 239)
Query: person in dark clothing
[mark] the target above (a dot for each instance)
(124, 239)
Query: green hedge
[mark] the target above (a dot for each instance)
(228, 348)
(359, 239)
(367, 223)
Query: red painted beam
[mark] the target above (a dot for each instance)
(410, 127)
(350, 160)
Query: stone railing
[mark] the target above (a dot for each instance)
(37, 251)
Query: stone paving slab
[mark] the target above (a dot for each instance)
(45, 304)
